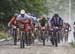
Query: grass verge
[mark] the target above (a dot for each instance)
(3, 35)
(72, 44)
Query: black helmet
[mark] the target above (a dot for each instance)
(56, 15)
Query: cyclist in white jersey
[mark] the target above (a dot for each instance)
(23, 15)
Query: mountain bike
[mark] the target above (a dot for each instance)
(14, 34)
(43, 35)
(54, 37)
(22, 36)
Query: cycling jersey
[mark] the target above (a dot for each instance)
(42, 22)
(56, 22)
(26, 21)
(13, 21)
(34, 20)
(26, 16)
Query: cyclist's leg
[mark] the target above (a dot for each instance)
(26, 38)
(15, 36)
(56, 39)
(52, 38)
(65, 37)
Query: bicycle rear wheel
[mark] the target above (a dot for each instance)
(43, 37)
(15, 36)
(22, 40)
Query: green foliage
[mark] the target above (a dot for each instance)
(3, 35)
(9, 7)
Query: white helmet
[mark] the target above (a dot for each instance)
(22, 11)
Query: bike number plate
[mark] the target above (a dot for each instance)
(14, 27)
(29, 27)
(66, 30)
(35, 28)
(43, 27)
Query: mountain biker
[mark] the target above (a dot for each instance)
(12, 25)
(13, 20)
(42, 21)
(24, 18)
(56, 21)
(35, 24)
(67, 29)
(24, 21)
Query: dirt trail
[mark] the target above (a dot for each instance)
(8, 48)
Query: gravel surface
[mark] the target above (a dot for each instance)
(7, 47)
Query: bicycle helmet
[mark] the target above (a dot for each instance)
(56, 15)
(22, 11)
